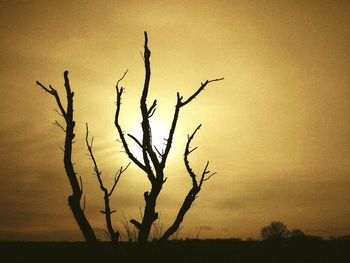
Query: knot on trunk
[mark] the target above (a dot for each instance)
(155, 216)
(146, 195)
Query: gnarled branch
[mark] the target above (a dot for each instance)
(144, 167)
(179, 104)
(114, 235)
(77, 190)
(54, 92)
(117, 177)
(192, 194)
(147, 148)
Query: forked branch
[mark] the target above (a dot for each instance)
(119, 91)
(117, 177)
(77, 189)
(192, 194)
(145, 167)
(179, 104)
(204, 176)
(114, 235)
(54, 93)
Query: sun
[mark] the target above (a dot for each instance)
(159, 135)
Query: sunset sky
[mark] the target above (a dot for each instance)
(276, 130)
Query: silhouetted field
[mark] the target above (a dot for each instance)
(180, 251)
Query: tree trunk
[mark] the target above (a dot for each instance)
(74, 198)
(83, 223)
(114, 235)
(150, 215)
(186, 205)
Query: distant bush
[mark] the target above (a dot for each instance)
(312, 237)
(278, 231)
(343, 237)
(274, 231)
(297, 234)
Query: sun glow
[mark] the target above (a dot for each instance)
(159, 135)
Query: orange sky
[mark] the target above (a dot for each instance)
(276, 129)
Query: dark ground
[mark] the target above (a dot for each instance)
(300, 251)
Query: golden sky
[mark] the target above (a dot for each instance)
(276, 129)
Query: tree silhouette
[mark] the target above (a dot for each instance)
(275, 230)
(77, 188)
(154, 161)
(113, 234)
(297, 234)
(192, 194)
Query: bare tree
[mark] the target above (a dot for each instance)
(113, 234)
(77, 188)
(154, 161)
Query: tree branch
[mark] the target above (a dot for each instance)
(201, 88)
(152, 109)
(147, 148)
(59, 113)
(75, 198)
(135, 139)
(96, 169)
(192, 194)
(205, 172)
(187, 152)
(54, 93)
(119, 92)
(180, 104)
(117, 177)
(136, 223)
(84, 203)
(159, 153)
(114, 235)
(59, 125)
